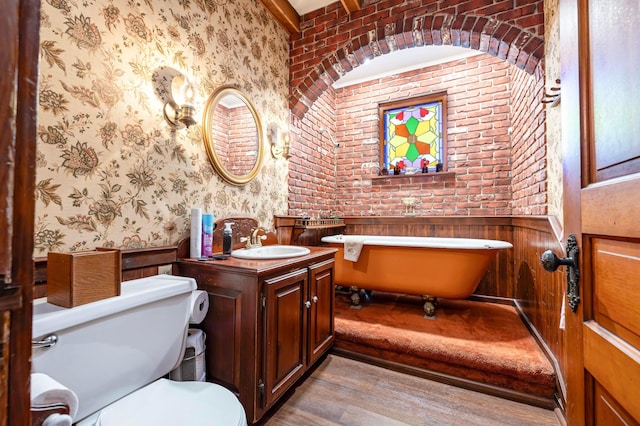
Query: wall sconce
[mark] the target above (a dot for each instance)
(179, 110)
(279, 141)
(286, 145)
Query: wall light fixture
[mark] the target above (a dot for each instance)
(286, 146)
(179, 110)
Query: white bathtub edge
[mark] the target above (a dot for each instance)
(426, 242)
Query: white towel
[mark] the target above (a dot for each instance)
(45, 391)
(352, 247)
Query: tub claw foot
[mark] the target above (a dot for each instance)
(355, 296)
(429, 306)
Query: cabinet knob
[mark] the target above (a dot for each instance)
(307, 304)
(315, 299)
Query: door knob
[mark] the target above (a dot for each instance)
(307, 304)
(551, 262)
(315, 299)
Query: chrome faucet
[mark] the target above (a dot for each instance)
(255, 240)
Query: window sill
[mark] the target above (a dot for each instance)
(415, 177)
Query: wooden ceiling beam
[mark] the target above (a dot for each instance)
(285, 14)
(350, 5)
(289, 18)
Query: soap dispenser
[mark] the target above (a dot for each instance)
(227, 238)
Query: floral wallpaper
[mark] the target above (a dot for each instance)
(555, 189)
(110, 170)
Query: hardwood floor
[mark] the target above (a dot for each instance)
(343, 391)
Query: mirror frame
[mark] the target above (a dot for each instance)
(209, 142)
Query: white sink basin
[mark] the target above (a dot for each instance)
(270, 252)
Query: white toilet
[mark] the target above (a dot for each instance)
(113, 354)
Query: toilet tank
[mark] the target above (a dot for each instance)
(109, 348)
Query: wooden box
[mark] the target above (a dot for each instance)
(77, 278)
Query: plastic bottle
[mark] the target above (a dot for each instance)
(227, 238)
(207, 235)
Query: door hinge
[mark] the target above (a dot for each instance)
(263, 301)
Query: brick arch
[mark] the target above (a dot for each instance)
(501, 39)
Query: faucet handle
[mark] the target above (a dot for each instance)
(256, 240)
(246, 240)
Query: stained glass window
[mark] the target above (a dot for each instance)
(413, 134)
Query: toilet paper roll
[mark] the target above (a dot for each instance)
(195, 340)
(196, 233)
(199, 306)
(58, 420)
(45, 391)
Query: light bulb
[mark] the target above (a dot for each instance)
(187, 93)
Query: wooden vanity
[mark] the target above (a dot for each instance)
(269, 321)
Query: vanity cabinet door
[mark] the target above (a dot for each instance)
(320, 333)
(285, 325)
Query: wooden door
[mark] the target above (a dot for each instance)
(286, 320)
(601, 136)
(320, 333)
(19, 58)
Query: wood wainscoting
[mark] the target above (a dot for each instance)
(499, 280)
(539, 294)
(135, 263)
(516, 275)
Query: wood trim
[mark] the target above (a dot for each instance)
(419, 177)
(135, 263)
(350, 5)
(287, 16)
(625, 357)
(430, 220)
(142, 258)
(23, 205)
(10, 298)
(436, 97)
(571, 43)
(539, 223)
(224, 367)
(607, 195)
(284, 14)
(131, 259)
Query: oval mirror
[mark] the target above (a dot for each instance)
(232, 135)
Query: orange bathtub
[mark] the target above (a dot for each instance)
(432, 267)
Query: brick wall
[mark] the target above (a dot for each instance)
(495, 141)
(331, 42)
(478, 153)
(244, 139)
(312, 165)
(235, 128)
(529, 144)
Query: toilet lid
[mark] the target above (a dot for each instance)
(166, 402)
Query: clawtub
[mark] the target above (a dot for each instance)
(431, 267)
